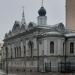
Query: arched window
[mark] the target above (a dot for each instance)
(51, 47)
(71, 47)
(24, 50)
(6, 52)
(15, 51)
(11, 53)
(19, 51)
(63, 47)
(31, 45)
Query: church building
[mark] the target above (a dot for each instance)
(39, 46)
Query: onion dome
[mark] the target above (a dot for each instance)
(42, 11)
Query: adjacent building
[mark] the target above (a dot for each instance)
(70, 14)
(1, 45)
(38, 46)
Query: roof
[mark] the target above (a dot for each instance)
(70, 34)
(57, 29)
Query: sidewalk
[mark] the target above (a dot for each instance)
(39, 73)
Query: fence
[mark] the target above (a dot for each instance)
(66, 67)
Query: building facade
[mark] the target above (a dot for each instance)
(70, 14)
(1, 45)
(38, 47)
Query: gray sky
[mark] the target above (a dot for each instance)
(11, 10)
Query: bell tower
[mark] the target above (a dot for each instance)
(70, 14)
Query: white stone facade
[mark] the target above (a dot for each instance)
(35, 47)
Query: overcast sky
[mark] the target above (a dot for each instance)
(11, 10)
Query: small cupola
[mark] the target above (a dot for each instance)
(42, 18)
